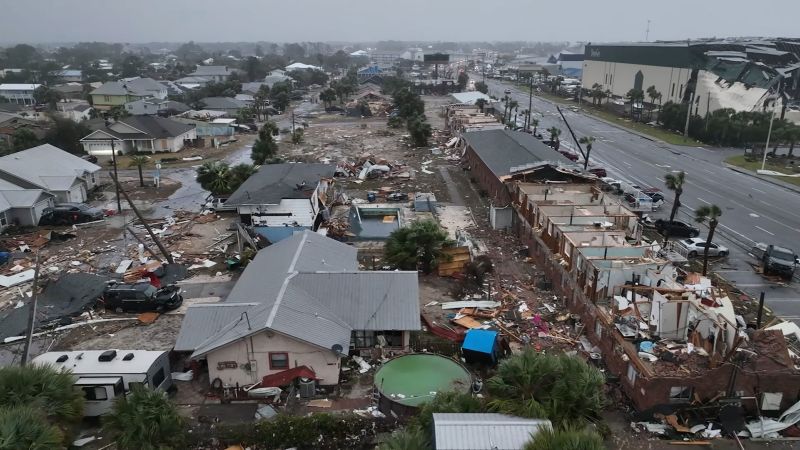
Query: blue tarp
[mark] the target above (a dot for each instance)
(482, 341)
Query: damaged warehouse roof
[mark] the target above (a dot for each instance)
(502, 150)
(308, 287)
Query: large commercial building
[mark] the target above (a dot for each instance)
(742, 75)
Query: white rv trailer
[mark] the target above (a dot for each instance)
(104, 375)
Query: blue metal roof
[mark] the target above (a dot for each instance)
(481, 341)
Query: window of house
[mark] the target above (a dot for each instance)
(598, 329)
(610, 79)
(672, 92)
(278, 360)
(3, 219)
(106, 98)
(680, 394)
(158, 378)
(681, 90)
(393, 338)
(632, 374)
(95, 393)
(363, 339)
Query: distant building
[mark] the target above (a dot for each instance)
(139, 133)
(118, 93)
(70, 75)
(18, 93)
(217, 74)
(155, 106)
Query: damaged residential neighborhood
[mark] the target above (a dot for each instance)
(352, 225)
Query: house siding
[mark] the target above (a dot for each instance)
(495, 189)
(255, 351)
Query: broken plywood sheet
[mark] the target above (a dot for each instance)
(485, 304)
(468, 322)
(18, 278)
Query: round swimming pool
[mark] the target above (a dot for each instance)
(408, 381)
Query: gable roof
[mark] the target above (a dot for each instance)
(144, 85)
(303, 287)
(502, 150)
(111, 88)
(222, 103)
(274, 182)
(470, 97)
(483, 431)
(208, 71)
(47, 167)
(157, 127)
(202, 320)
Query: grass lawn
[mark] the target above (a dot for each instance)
(740, 161)
(657, 133)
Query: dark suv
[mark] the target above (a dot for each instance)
(676, 228)
(69, 213)
(141, 297)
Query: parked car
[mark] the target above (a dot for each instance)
(598, 171)
(91, 158)
(569, 155)
(217, 203)
(676, 228)
(654, 193)
(507, 91)
(696, 247)
(69, 214)
(140, 297)
(776, 260)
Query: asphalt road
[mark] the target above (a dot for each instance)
(754, 210)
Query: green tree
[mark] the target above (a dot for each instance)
(66, 134)
(297, 136)
(568, 438)
(26, 427)
(418, 245)
(587, 141)
(118, 113)
(674, 182)
(710, 213)
(480, 103)
(534, 123)
(481, 87)
(653, 95)
(214, 176)
(558, 387)
(635, 96)
(555, 134)
(260, 101)
(407, 439)
(596, 93)
(145, 420)
(23, 139)
(238, 174)
(420, 130)
(43, 95)
(139, 161)
(328, 96)
(462, 81)
(42, 387)
(446, 402)
(408, 104)
(281, 101)
(265, 146)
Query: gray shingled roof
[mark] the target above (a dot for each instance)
(157, 127)
(222, 103)
(202, 320)
(483, 431)
(46, 167)
(501, 150)
(274, 182)
(308, 287)
(206, 71)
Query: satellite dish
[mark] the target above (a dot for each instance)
(337, 349)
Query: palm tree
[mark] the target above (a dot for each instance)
(417, 245)
(554, 136)
(634, 96)
(568, 438)
(145, 419)
(139, 161)
(43, 387)
(480, 103)
(506, 101)
(535, 123)
(411, 438)
(27, 427)
(597, 90)
(607, 95)
(214, 176)
(587, 141)
(674, 183)
(653, 94)
(711, 213)
(239, 173)
(558, 387)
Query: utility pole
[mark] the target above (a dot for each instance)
(167, 255)
(530, 101)
(32, 312)
(769, 134)
(293, 122)
(114, 161)
(577, 142)
(688, 114)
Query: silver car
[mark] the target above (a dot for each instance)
(696, 246)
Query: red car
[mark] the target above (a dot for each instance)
(598, 171)
(570, 156)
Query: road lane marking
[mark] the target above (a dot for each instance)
(765, 231)
(768, 204)
(704, 201)
(758, 190)
(736, 232)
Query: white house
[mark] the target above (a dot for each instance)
(139, 133)
(213, 73)
(74, 110)
(68, 177)
(20, 206)
(18, 93)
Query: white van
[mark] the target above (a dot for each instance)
(104, 375)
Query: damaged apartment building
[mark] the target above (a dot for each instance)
(670, 337)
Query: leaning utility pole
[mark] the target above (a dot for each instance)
(580, 149)
(114, 161)
(32, 311)
(688, 114)
(530, 102)
(167, 255)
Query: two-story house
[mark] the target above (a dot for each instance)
(118, 93)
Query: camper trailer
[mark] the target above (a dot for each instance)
(104, 375)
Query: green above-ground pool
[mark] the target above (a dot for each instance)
(408, 381)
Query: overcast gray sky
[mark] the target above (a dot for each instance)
(364, 20)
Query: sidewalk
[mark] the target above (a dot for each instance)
(768, 179)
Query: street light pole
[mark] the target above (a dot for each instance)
(769, 134)
(530, 101)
